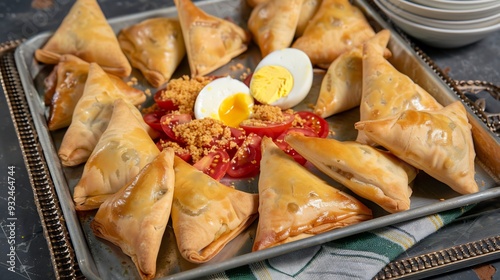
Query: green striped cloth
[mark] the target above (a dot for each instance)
(360, 256)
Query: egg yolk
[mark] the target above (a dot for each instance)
(235, 109)
(271, 83)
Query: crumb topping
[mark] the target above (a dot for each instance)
(202, 136)
(183, 92)
(265, 114)
(133, 81)
(150, 109)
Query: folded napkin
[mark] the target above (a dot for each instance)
(360, 256)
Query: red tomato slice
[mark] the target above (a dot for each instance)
(153, 119)
(238, 135)
(280, 142)
(215, 164)
(269, 129)
(169, 121)
(246, 161)
(315, 122)
(166, 104)
(182, 153)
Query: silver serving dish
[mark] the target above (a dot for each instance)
(99, 259)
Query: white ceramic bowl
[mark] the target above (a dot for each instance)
(456, 4)
(447, 14)
(444, 24)
(439, 37)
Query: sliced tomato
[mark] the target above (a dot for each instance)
(246, 160)
(315, 122)
(269, 129)
(284, 146)
(182, 153)
(215, 164)
(165, 104)
(238, 135)
(169, 121)
(153, 119)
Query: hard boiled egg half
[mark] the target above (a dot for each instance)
(283, 78)
(225, 99)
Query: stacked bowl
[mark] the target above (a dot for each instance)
(444, 23)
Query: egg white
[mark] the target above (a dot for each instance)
(212, 96)
(299, 65)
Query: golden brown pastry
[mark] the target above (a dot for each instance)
(273, 24)
(206, 214)
(336, 27)
(308, 10)
(135, 217)
(211, 42)
(370, 173)
(254, 3)
(154, 46)
(85, 33)
(438, 142)
(49, 86)
(295, 204)
(123, 150)
(69, 77)
(90, 117)
(341, 87)
(386, 91)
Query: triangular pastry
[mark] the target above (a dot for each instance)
(69, 82)
(68, 78)
(85, 33)
(90, 117)
(123, 150)
(307, 12)
(273, 24)
(155, 46)
(206, 214)
(135, 217)
(438, 142)
(386, 91)
(254, 3)
(211, 42)
(335, 28)
(370, 173)
(341, 87)
(49, 85)
(295, 204)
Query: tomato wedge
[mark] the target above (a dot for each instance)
(169, 121)
(165, 104)
(238, 135)
(315, 122)
(269, 129)
(182, 153)
(246, 160)
(215, 164)
(280, 142)
(153, 119)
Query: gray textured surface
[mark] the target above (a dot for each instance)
(479, 61)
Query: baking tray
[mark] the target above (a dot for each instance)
(99, 259)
